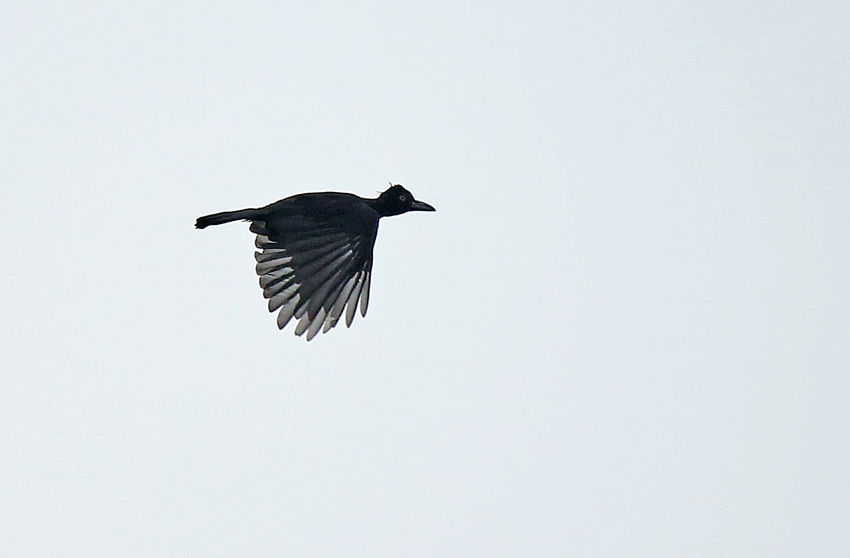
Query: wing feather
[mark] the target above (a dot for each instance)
(315, 264)
(364, 294)
(351, 307)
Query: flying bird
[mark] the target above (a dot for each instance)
(315, 252)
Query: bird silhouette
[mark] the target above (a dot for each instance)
(315, 252)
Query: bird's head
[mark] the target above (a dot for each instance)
(397, 200)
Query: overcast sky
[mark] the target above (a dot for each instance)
(625, 331)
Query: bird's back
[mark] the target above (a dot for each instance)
(344, 212)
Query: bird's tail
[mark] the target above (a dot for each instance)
(225, 217)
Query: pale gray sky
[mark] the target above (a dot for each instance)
(625, 332)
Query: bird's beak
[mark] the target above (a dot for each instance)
(421, 206)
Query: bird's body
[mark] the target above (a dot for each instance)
(315, 258)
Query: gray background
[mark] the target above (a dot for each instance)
(624, 332)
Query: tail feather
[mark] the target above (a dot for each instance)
(224, 217)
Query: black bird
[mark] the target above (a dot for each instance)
(315, 257)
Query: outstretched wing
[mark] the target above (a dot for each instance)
(315, 264)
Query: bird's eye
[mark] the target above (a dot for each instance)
(402, 198)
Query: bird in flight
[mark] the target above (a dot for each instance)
(315, 252)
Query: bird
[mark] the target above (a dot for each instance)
(314, 255)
